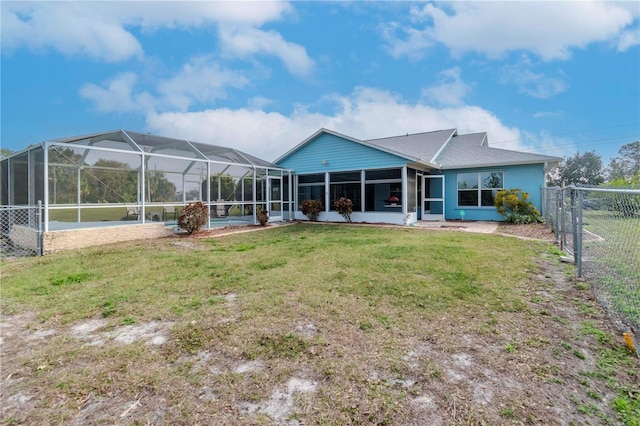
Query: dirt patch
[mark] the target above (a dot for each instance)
(280, 404)
(537, 231)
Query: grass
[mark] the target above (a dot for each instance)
(612, 264)
(382, 267)
(362, 313)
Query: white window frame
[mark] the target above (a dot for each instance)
(479, 189)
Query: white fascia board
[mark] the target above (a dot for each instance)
(444, 145)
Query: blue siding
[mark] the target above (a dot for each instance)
(340, 154)
(529, 178)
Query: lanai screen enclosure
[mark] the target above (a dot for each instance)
(124, 177)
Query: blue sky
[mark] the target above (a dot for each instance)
(547, 77)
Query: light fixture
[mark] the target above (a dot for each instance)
(324, 162)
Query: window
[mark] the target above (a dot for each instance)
(384, 174)
(380, 185)
(311, 187)
(479, 189)
(345, 184)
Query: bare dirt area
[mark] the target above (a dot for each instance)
(538, 231)
(532, 364)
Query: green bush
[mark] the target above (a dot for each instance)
(515, 206)
(311, 209)
(193, 217)
(344, 206)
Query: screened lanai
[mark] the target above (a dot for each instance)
(123, 177)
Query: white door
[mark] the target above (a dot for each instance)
(432, 197)
(274, 198)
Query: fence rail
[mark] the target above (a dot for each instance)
(601, 229)
(20, 231)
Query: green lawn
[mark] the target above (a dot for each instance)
(320, 324)
(611, 262)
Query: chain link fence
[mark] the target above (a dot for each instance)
(20, 231)
(601, 229)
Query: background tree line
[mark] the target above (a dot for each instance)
(106, 181)
(587, 169)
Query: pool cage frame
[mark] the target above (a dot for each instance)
(123, 177)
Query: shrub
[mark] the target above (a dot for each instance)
(311, 209)
(263, 217)
(515, 206)
(344, 206)
(193, 217)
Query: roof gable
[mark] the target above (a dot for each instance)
(331, 151)
(310, 139)
(420, 147)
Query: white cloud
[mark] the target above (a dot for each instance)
(69, 27)
(531, 83)
(413, 45)
(548, 29)
(99, 30)
(200, 80)
(548, 144)
(548, 114)
(366, 113)
(246, 41)
(450, 89)
(258, 102)
(629, 39)
(117, 95)
(171, 14)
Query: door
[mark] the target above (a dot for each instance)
(274, 198)
(432, 197)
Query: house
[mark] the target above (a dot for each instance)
(93, 188)
(437, 175)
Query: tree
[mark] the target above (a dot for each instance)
(626, 166)
(585, 169)
(5, 152)
(159, 188)
(223, 186)
(109, 181)
(64, 164)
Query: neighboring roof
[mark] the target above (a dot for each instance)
(442, 149)
(472, 150)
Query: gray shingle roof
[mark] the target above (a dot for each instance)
(472, 150)
(448, 150)
(419, 147)
(442, 149)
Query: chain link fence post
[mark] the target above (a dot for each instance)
(577, 245)
(39, 228)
